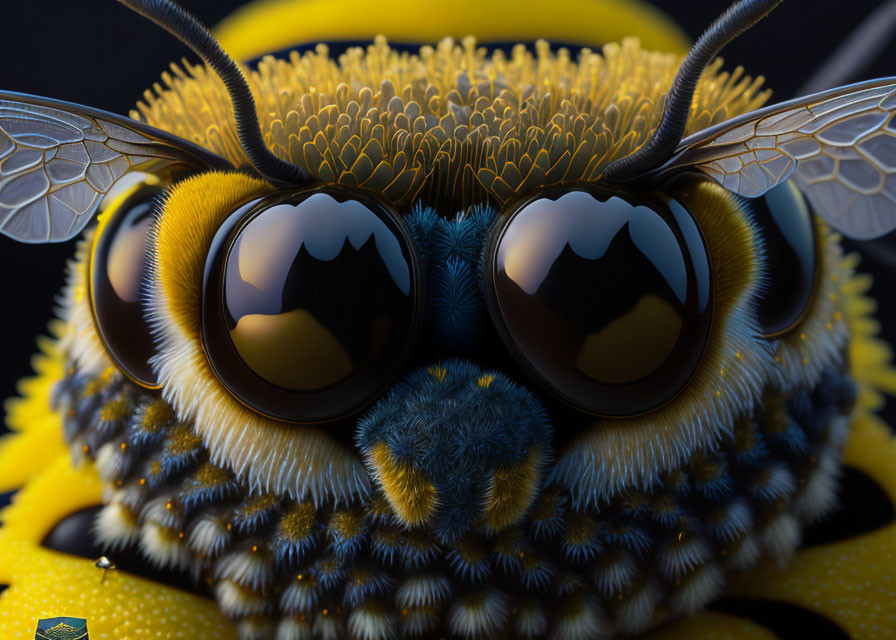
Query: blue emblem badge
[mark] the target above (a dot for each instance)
(61, 628)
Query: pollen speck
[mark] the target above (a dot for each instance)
(438, 373)
(485, 381)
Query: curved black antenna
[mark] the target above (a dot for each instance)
(187, 28)
(738, 18)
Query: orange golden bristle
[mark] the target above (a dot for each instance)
(452, 124)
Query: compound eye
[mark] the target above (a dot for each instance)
(117, 269)
(604, 298)
(788, 233)
(311, 304)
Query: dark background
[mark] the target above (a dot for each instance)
(98, 53)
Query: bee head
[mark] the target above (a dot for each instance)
(364, 287)
(401, 306)
(472, 301)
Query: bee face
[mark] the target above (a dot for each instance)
(446, 433)
(439, 329)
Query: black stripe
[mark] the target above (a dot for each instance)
(864, 506)
(787, 621)
(73, 535)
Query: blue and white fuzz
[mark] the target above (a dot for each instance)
(545, 568)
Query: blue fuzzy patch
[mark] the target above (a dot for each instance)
(385, 548)
(451, 251)
(194, 494)
(457, 432)
(248, 519)
(289, 552)
(631, 538)
(346, 547)
(536, 576)
(329, 572)
(478, 570)
(364, 584)
(417, 553)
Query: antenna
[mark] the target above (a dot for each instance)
(661, 145)
(187, 28)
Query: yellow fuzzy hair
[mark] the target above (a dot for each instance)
(297, 460)
(452, 125)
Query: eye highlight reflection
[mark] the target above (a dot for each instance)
(117, 287)
(791, 251)
(604, 298)
(312, 304)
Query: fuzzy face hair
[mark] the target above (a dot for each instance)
(462, 501)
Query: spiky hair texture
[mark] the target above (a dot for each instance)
(295, 460)
(468, 444)
(668, 568)
(817, 343)
(451, 249)
(81, 341)
(613, 455)
(452, 125)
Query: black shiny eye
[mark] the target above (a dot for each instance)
(116, 276)
(791, 254)
(605, 298)
(311, 303)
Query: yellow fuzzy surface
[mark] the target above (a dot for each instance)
(36, 437)
(511, 491)
(453, 125)
(45, 583)
(411, 494)
(194, 211)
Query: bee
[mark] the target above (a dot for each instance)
(455, 343)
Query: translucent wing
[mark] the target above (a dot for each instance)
(58, 159)
(839, 146)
